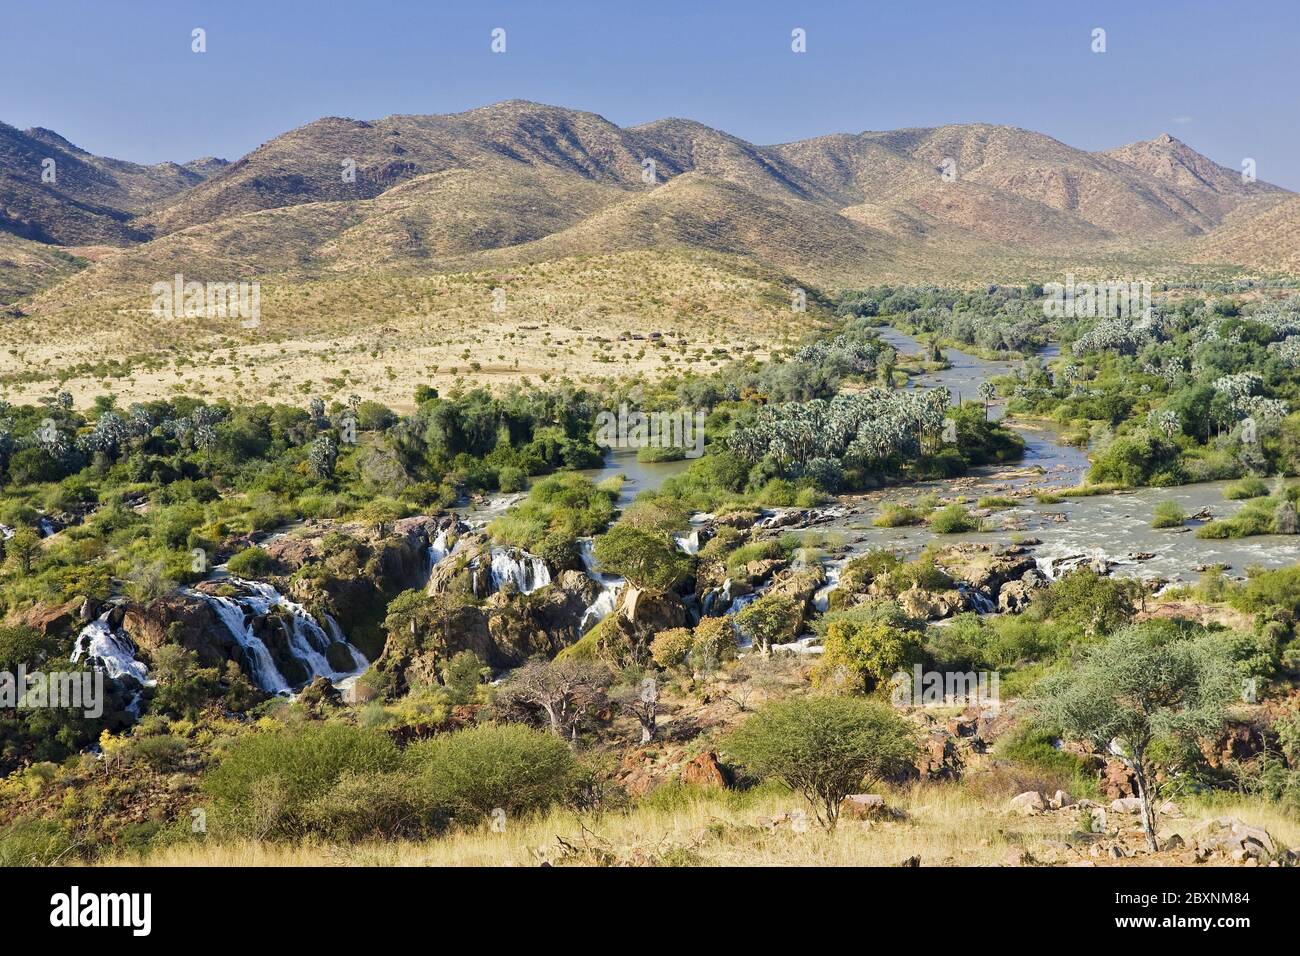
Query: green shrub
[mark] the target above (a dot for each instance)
(364, 806)
(265, 781)
(511, 479)
(996, 502)
(824, 747)
(1250, 487)
(669, 648)
(863, 652)
(1168, 514)
(249, 563)
(30, 842)
(953, 519)
(897, 516)
(515, 768)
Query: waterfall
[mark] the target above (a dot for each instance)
(260, 665)
(525, 571)
(975, 599)
(689, 543)
(821, 601)
(1055, 565)
(438, 550)
(610, 585)
(307, 640)
(108, 650)
(740, 603)
(715, 597)
(113, 653)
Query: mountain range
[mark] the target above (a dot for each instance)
(518, 183)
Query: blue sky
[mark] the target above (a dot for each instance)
(117, 77)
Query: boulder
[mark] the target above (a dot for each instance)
(1126, 805)
(938, 758)
(762, 569)
(1233, 838)
(185, 620)
(1060, 800)
(652, 611)
(704, 770)
(1014, 596)
(740, 520)
(869, 806)
(1117, 781)
(1028, 803)
(1240, 742)
(54, 618)
(930, 605)
(453, 574)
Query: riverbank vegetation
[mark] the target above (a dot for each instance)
(712, 653)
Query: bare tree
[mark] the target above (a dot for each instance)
(565, 690)
(640, 698)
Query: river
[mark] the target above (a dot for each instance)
(1117, 526)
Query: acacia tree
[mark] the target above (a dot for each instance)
(1142, 685)
(769, 620)
(647, 559)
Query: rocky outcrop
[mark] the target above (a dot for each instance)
(705, 770)
(869, 806)
(1014, 596)
(455, 572)
(1239, 842)
(650, 612)
(930, 605)
(542, 623)
(179, 619)
(985, 567)
(504, 631)
(56, 618)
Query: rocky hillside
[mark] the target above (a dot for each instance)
(92, 199)
(520, 182)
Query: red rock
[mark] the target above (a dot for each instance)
(705, 771)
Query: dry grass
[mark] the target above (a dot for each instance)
(945, 826)
(381, 336)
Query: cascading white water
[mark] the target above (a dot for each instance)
(262, 667)
(976, 599)
(336, 632)
(689, 543)
(308, 642)
(740, 603)
(525, 571)
(821, 601)
(306, 638)
(438, 550)
(610, 586)
(112, 652)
